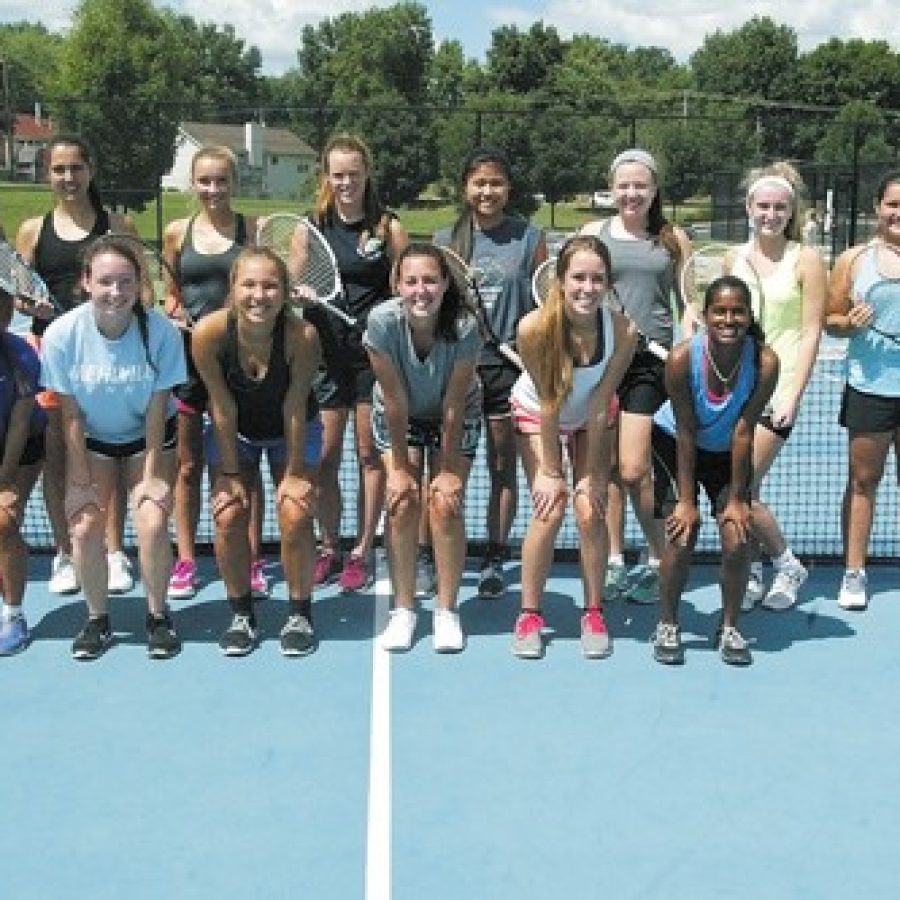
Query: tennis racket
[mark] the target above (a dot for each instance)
(712, 261)
(542, 280)
(18, 279)
(313, 269)
(468, 281)
(883, 294)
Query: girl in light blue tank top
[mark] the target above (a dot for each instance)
(719, 383)
(870, 409)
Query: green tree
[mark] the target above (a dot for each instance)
(758, 61)
(30, 54)
(225, 84)
(522, 61)
(120, 68)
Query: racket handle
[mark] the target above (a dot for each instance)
(337, 311)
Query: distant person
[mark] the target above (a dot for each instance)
(811, 229)
(870, 408)
(718, 382)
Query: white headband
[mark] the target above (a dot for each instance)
(634, 156)
(770, 181)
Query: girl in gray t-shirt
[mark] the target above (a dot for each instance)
(504, 250)
(423, 346)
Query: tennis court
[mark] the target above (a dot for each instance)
(356, 774)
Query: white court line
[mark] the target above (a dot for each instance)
(378, 841)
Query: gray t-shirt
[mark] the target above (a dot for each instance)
(644, 274)
(501, 259)
(425, 380)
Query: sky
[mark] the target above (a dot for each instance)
(677, 25)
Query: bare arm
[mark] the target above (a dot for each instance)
(303, 356)
(206, 345)
(843, 317)
(454, 413)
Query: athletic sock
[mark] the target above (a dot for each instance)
(756, 568)
(302, 608)
(616, 559)
(11, 613)
(242, 606)
(786, 559)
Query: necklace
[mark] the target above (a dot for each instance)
(725, 379)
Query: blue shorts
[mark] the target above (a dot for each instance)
(250, 452)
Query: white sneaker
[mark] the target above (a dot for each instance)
(63, 578)
(785, 585)
(399, 631)
(756, 590)
(853, 593)
(121, 580)
(448, 634)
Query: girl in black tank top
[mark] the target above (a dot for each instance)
(54, 244)
(365, 238)
(201, 251)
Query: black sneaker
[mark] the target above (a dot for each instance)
(162, 641)
(297, 636)
(240, 639)
(491, 582)
(93, 639)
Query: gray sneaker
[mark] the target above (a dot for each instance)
(733, 647)
(643, 584)
(426, 577)
(240, 639)
(491, 581)
(854, 593)
(527, 641)
(297, 637)
(616, 580)
(785, 585)
(756, 590)
(667, 647)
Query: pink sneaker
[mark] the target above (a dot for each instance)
(259, 583)
(183, 580)
(595, 640)
(327, 567)
(356, 574)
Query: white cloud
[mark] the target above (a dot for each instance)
(681, 25)
(678, 25)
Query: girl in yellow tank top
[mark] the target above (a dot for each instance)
(791, 311)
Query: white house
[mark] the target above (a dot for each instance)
(31, 135)
(272, 162)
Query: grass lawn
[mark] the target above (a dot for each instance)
(18, 202)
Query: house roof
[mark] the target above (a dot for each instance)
(27, 128)
(275, 140)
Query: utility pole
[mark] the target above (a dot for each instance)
(8, 119)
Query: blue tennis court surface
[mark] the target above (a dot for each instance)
(494, 777)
